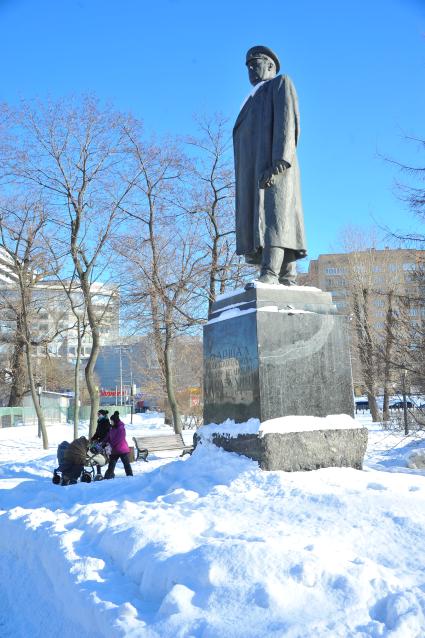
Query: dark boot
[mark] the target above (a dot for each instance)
(271, 263)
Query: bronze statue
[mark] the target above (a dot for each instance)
(269, 217)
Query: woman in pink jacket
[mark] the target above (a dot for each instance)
(120, 449)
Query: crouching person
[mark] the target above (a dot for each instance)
(74, 457)
(120, 449)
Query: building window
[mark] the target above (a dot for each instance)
(409, 266)
(377, 269)
(392, 267)
(335, 271)
(378, 302)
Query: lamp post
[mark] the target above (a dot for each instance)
(406, 424)
(39, 391)
(120, 374)
(133, 392)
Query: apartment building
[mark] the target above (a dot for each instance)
(379, 270)
(55, 320)
(373, 275)
(52, 318)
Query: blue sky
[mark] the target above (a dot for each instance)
(358, 66)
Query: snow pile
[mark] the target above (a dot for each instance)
(417, 460)
(210, 546)
(229, 428)
(307, 424)
(280, 425)
(258, 284)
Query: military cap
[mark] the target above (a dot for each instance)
(259, 51)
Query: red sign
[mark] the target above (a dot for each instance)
(113, 393)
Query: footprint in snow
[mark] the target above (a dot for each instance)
(376, 486)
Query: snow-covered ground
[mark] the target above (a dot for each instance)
(210, 546)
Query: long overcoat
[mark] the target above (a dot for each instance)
(266, 131)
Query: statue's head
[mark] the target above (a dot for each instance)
(262, 63)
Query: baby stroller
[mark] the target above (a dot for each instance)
(97, 456)
(79, 460)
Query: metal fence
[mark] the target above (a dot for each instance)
(14, 417)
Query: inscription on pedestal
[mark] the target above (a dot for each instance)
(231, 370)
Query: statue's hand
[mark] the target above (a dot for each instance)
(267, 178)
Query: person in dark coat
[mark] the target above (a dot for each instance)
(120, 449)
(101, 434)
(103, 426)
(269, 215)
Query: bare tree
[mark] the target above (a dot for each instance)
(410, 189)
(21, 234)
(74, 153)
(374, 284)
(212, 199)
(80, 327)
(168, 265)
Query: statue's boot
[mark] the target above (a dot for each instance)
(288, 271)
(271, 264)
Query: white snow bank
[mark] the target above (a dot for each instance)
(229, 428)
(417, 460)
(308, 424)
(209, 546)
(280, 425)
(258, 284)
(230, 314)
(237, 312)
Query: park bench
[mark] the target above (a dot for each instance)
(146, 444)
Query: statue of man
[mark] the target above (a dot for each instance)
(269, 217)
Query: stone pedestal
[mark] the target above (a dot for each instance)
(275, 351)
(295, 451)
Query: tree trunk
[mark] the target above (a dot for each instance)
(389, 340)
(77, 382)
(35, 399)
(91, 384)
(386, 408)
(366, 349)
(373, 406)
(18, 386)
(89, 370)
(169, 382)
(213, 273)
